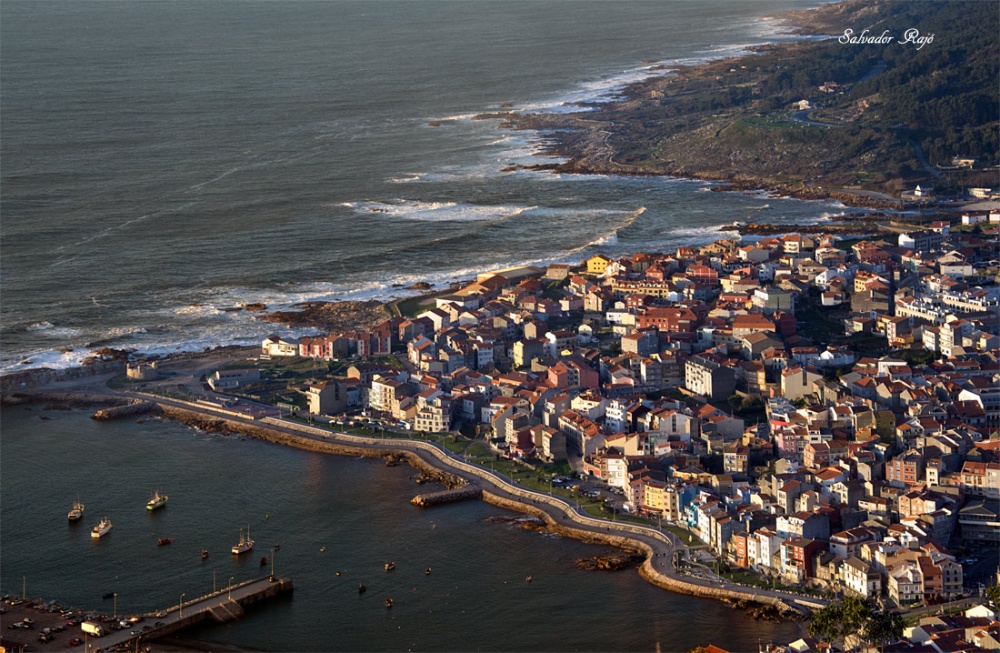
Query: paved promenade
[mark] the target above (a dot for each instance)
(561, 515)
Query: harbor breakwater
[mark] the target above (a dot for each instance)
(128, 410)
(464, 493)
(439, 467)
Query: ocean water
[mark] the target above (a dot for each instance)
(161, 162)
(338, 521)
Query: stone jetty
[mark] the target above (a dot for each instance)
(128, 410)
(470, 491)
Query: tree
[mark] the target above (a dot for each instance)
(856, 620)
(882, 628)
(827, 623)
(993, 594)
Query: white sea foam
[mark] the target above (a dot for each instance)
(46, 329)
(50, 358)
(199, 310)
(458, 117)
(438, 211)
(407, 179)
(40, 326)
(610, 239)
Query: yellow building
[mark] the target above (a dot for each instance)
(597, 264)
(655, 497)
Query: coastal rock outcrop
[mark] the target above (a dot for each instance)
(331, 316)
(616, 562)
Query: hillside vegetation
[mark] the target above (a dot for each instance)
(896, 114)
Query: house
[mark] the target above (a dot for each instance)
(327, 397)
(233, 378)
(797, 556)
(922, 241)
(597, 264)
(860, 578)
(278, 346)
(755, 344)
(771, 299)
(705, 375)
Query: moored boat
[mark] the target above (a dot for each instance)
(244, 545)
(76, 514)
(164, 540)
(389, 566)
(156, 501)
(204, 553)
(103, 528)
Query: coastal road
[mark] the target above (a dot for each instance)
(802, 118)
(662, 545)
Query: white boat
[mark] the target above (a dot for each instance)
(157, 501)
(77, 512)
(102, 529)
(245, 543)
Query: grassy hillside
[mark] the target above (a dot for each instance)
(898, 113)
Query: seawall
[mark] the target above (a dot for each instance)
(129, 410)
(464, 493)
(430, 460)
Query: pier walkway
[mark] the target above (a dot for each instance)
(659, 546)
(223, 605)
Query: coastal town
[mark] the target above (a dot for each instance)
(817, 412)
(810, 417)
(676, 323)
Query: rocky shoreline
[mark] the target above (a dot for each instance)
(675, 125)
(331, 316)
(633, 552)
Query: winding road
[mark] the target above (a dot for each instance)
(659, 546)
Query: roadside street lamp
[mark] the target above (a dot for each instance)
(180, 606)
(230, 588)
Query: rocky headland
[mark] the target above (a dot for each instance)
(331, 316)
(811, 119)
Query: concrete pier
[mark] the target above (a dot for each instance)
(224, 605)
(128, 410)
(470, 491)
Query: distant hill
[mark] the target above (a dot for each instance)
(881, 116)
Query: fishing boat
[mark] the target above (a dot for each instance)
(427, 572)
(102, 528)
(389, 566)
(163, 541)
(156, 501)
(76, 514)
(245, 543)
(388, 603)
